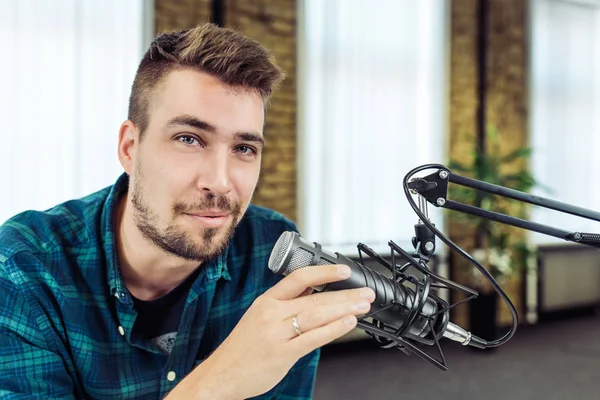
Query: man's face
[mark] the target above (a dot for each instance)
(198, 163)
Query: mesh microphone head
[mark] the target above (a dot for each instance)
(292, 252)
(300, 259)
(280, 252)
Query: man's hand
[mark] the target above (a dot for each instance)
(264, 345)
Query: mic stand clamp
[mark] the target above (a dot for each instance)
(386, 336)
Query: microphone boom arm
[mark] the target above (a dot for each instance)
(434, 188)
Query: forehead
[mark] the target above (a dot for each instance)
(190, 92)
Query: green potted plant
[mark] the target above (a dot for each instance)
(497, 247)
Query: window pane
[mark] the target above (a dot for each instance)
(565, 99)
(67, 69)
(372, 107)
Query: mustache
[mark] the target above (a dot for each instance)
(210, 202)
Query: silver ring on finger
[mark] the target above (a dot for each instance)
(296, 326)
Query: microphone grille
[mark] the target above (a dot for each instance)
(300, 259)
(280, 250)
(303, 258)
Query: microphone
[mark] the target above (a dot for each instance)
(408, 313)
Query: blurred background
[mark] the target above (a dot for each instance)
(506, 91)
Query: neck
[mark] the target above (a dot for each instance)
(149, 272)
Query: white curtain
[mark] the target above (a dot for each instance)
(66, 71)
(372, 106)
(565, 110)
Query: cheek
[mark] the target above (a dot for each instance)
(245, 182)
(160, 184)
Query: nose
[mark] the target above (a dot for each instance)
(215, 176)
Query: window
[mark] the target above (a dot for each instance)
(565, 104)
(66, 72)
(372, 106)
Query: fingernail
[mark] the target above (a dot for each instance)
(362, 305)
(350, 320)
(343, 270)
(367, 294)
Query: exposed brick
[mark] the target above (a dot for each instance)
(506, 104)
(180, 14)
(273, 24)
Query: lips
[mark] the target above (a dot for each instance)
(210, 219)
(211, 214)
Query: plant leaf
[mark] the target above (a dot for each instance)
(454, 165)
(522, 153)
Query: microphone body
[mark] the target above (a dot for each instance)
(394, 302)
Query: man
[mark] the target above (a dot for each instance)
(158, 285)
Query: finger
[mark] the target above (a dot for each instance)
(319, 337)
(301, 279)
(301, 304)
(307, 292)
(317, 317)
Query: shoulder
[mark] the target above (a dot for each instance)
(266, 216)
(260, 228)
(64, 225)
(259, 218)
(253, 242)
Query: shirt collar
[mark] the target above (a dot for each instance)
(215, 270)
(115, 280)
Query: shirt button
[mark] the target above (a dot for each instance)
(121, 330)
(171, 376)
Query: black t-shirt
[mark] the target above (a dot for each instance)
(158, 320)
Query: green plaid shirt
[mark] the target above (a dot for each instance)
(66, 317)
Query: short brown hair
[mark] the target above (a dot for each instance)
(231, 57)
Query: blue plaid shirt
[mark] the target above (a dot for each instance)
(66, 317)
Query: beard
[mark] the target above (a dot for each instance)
(175, 239)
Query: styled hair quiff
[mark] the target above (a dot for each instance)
(234, 59)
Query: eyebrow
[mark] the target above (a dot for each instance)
(187, 120)
(190, 121)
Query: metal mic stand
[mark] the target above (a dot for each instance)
(434, 188)
(424, 288)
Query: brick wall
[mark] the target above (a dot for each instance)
(273, 24)
(463, 120)
(506, 102)
(180, 14)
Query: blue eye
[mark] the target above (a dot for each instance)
(189, 140)
(246, 150)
